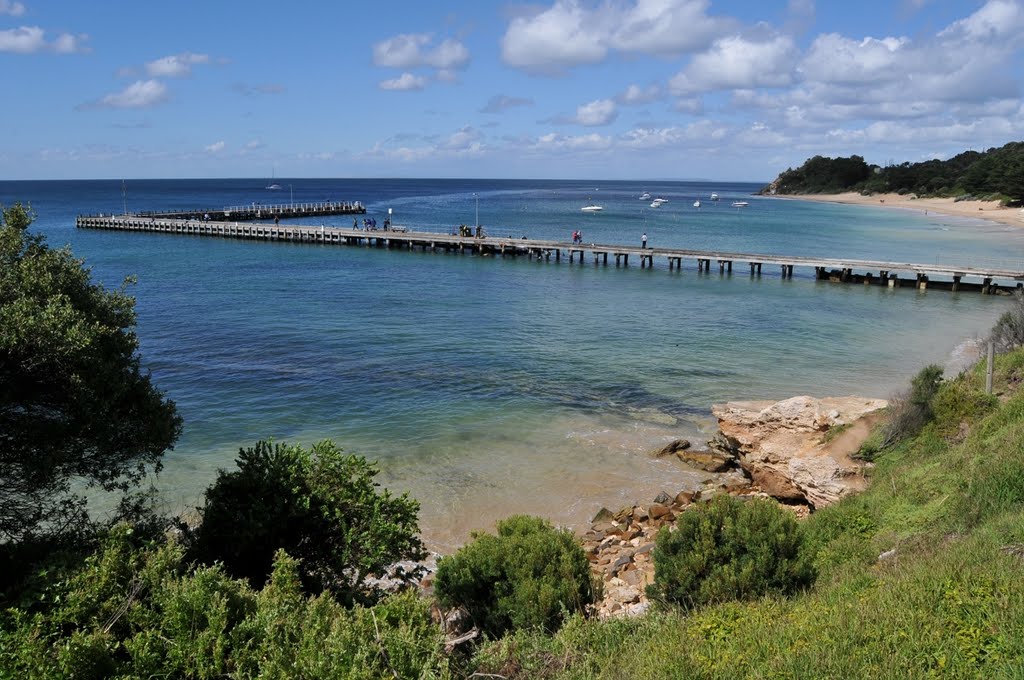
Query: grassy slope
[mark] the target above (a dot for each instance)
(949, 603)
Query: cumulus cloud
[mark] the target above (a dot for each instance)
(406, 81)
(738, 62)
(31, 39)
(14, 9)
(413, 50)
(139, 95)
(216, 147)
(500, 103)
(555, 142)
(568, 34)
(176, 65)
(597, 112)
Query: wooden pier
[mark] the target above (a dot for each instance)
(980, 278)
(254, 211)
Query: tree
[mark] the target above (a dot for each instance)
(321, 506)
(75, 406)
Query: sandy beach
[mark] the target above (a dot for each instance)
(986, 210)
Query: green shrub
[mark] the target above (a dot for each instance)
(910, 411)
(529, 575)
(1008, 333)
(320, 506)
(729, 550)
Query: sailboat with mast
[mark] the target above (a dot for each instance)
(273, 186)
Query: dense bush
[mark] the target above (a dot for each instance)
(321, 506)
(910, 411)
(529, 575)
(138, 610)
(1008, 333)
(729, 550)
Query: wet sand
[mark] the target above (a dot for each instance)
(985, 210)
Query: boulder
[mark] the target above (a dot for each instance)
(782, 445)
(673, 447)
(603, 515)
(709, 461)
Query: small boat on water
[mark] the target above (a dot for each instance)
(657, 203)
(696, 204)
(740, 204)
(714, 196)
(592, 208)
(645, 196)
(273, 186)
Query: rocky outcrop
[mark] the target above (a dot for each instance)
(798, 450)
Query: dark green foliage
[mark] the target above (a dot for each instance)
(996, 171)
(321, 506)
(136, 609)
(820, 175)
(529, 575)
(74, 402)
(729, 550)
(910, 411)
(1008, 333)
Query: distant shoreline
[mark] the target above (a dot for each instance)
(983, 210)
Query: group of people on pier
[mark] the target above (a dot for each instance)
(467, 231)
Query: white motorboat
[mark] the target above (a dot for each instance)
(592, 208)
(657, 203)
(714, 196)
(740, 204)
(645, 196)
(696, 204)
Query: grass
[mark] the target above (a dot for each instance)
(948, 602)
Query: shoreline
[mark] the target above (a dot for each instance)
(990, 211)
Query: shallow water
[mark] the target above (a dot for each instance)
(489, 386)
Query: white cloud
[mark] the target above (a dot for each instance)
(14, 9)
(564, 35)
(634, 94)
(995, 20)
(413, 50)
(568, 34)
(598, 112)
(139, 95)
(836, 59)
(554, 141)
(737, 62)
(216, 147)
(406, 81)
(176, 65)
(31, 39)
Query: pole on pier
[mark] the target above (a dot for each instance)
(988, 369)
(477, 199)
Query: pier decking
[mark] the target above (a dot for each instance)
(981, 278)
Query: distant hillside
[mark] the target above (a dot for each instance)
(998, 173)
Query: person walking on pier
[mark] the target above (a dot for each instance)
(643, 240)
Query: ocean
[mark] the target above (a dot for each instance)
(486, 386)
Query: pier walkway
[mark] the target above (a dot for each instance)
(980, 278)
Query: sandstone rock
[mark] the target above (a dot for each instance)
(686, 497)
(640, 514)
(662, 498)
(781, 445)
(657, 511)
(673, 447)
(709, 461)
(603, 515)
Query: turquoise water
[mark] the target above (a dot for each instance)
(489, 386)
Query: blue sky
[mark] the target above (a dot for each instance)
(606, 89)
